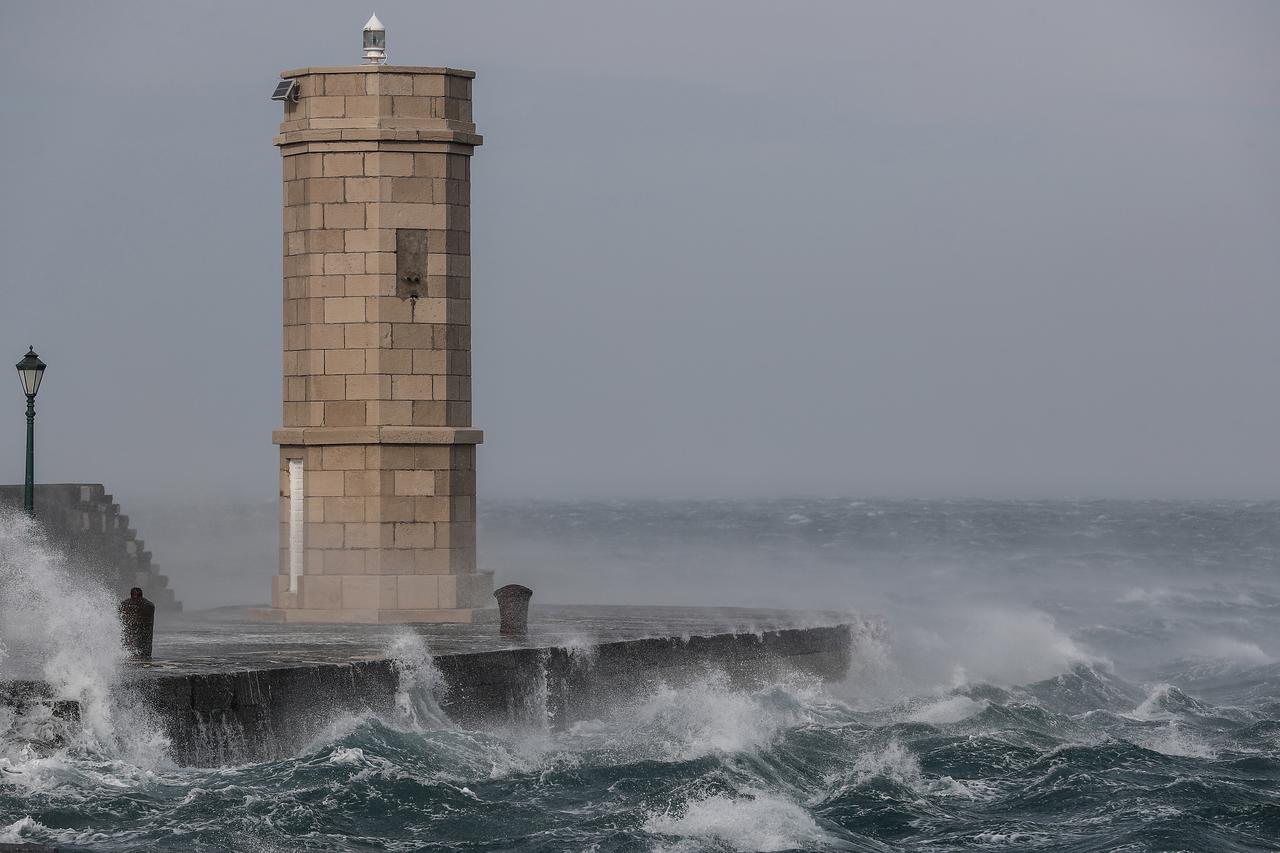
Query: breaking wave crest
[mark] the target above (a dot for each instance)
(754, 821)
(59, 628)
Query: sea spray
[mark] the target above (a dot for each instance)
(874, 677)
(419, 684)
(689, 722)
(947, 709)
(756, 821)
(62, 627)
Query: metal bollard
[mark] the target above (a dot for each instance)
(513, 609)
(138, 622)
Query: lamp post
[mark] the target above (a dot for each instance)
(30, 371)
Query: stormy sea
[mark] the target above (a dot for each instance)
(1051, 675)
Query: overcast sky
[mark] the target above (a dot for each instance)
(719, 248)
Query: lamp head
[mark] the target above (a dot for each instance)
(30, 372)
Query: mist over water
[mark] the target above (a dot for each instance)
(1057, 675)
(1007, 591)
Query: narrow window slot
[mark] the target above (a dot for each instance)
(297, 522)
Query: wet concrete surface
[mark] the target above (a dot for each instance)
(227, 639)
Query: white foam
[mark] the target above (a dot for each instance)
(894, 762)
(710, 718)
(1024, 840)
(582, 649)
(345, 755)
(755, 822)
(1174, 739)
(670, 724)
(526, 752)
(952, 709)
(67, 626)
(1152, 708)
(21, 830)
(899, 764)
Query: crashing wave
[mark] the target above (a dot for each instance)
(1166, 702)
(756, 821)
(1082, 689)
(62, 629)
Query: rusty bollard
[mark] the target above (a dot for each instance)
(513, 609)
(137, 622)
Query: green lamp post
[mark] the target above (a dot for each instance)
(30, 371)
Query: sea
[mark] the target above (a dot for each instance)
(1050, 675)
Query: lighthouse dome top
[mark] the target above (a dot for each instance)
(375, 42)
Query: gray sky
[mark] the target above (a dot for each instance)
(720, 248)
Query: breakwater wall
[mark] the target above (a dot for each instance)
(266, 712)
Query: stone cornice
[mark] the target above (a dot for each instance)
(378, 69)
(304, 436)
(347, 133)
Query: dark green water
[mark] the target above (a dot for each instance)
(1057, 676)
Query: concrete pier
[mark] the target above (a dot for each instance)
(230, 692)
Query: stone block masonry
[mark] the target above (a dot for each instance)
(377, 349)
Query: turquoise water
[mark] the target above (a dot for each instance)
(1057, 676)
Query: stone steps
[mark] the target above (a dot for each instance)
(86, 521)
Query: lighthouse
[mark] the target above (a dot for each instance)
(377, 447)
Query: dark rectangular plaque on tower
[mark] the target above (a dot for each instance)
(411, 262)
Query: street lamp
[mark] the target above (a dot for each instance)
(30, 371)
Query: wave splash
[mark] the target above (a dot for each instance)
(62, 628)
(419, 683)
(755, 821)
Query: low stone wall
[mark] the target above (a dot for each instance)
(258, 714)
(85, 522)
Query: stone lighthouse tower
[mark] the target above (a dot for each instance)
(377, 450)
